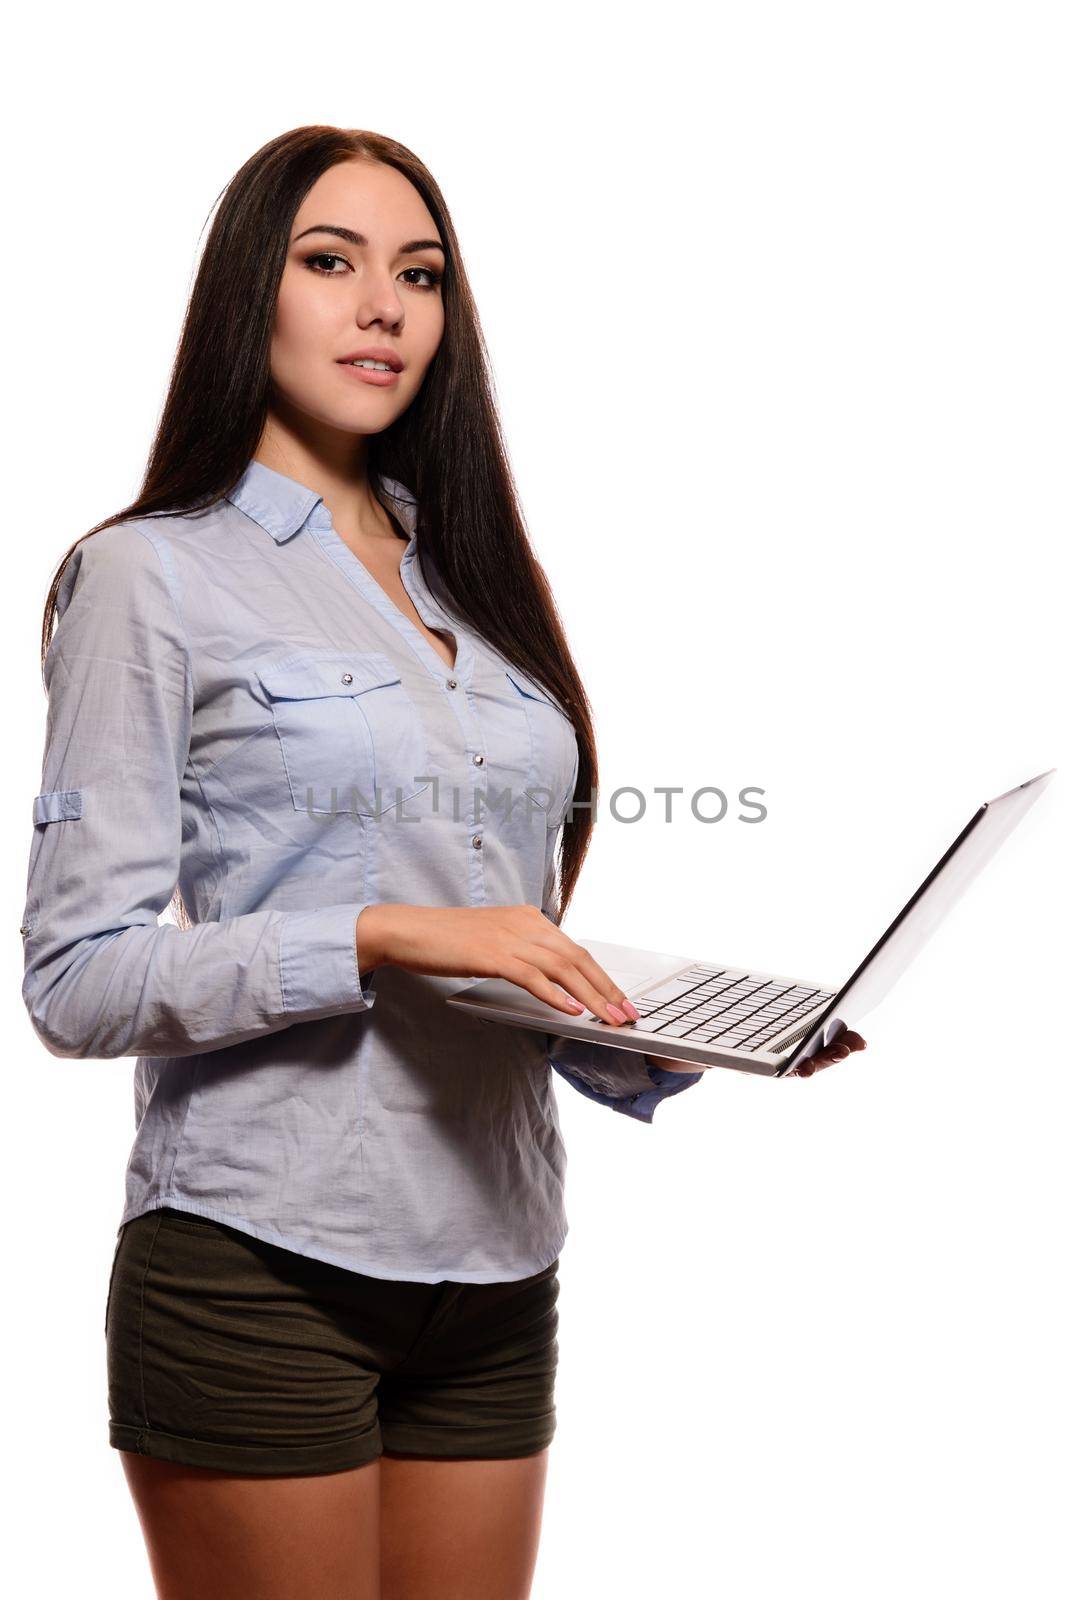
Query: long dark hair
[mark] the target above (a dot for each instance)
(447, 447)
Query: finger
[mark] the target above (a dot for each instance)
(600, 985)
(530, 974)
(600, 979)
(854, 1041)
(571, 976)
(822, 1058)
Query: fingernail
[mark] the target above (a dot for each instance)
(574, 1005)
(619, 1016)
(630, 1010)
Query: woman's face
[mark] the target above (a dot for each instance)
(340, 295)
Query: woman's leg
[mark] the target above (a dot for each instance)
(460, 1530)
(215, 1535)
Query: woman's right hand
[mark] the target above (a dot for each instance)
(518, 943)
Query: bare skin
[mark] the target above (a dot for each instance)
(226, 1536)
(460, 1530)
(402, 1528)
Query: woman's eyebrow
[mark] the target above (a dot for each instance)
(352, 237)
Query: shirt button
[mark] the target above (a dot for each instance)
(478, 760)
(453, 683)
(346, 677)
(476, 841)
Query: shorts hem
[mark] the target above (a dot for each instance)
(454, 1442)
(260, 1460)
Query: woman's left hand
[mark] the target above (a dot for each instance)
(841, 1046)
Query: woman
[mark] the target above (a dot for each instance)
(291, 682)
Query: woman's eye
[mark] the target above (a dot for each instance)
(325, 256)
(328, 272)
(427, 272)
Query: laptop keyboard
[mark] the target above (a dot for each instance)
(716, 1005)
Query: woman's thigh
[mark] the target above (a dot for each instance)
(213, 1535)
(460, 1530)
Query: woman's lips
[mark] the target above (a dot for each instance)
(371, 375)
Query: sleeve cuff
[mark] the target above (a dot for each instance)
(319, 963)
(602, 1067)
(632, 1086)
(642, 1105)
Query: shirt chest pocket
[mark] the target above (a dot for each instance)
(350, 736)
(552, 744)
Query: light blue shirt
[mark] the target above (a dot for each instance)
(236, 707)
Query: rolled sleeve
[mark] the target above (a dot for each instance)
(103, 977)
(625, 1080)
(320, 962)
(642, 1104)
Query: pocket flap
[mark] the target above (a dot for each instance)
(314, 676)
(531, 690)
(57, 805)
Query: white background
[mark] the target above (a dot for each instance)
(773, 295)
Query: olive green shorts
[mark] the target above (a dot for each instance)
(224, 1351)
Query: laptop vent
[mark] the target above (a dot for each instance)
(781, 1045)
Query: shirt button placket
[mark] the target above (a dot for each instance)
(477, 839)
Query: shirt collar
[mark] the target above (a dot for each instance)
(281, 506)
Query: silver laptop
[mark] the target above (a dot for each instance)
(712, 1014)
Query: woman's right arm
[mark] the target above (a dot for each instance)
(517, 942)
(103, 977)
